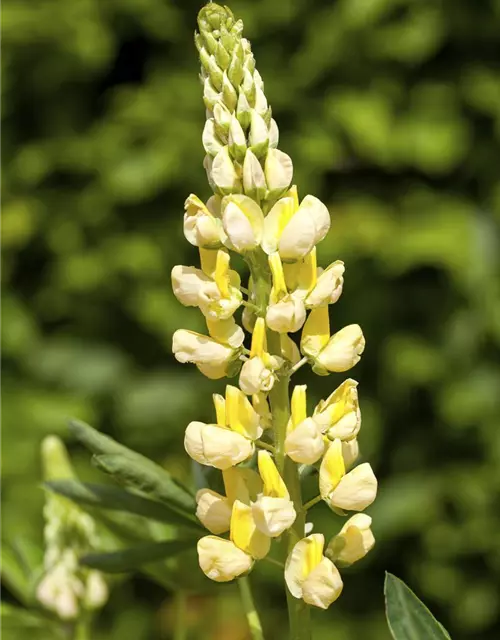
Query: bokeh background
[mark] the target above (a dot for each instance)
(390, 110)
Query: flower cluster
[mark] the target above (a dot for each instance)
(256, 212)
(67, 588)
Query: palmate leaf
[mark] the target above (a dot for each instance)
(117, 499)
(132, 468)
(135, 557)
(407, 616)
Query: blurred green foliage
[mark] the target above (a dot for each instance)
(391, 112)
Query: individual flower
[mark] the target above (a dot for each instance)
(222, 173)
(243, 222)
(217, 293)
(339, 416)
(230, 441)
(223, 560)
(278, 171)
(294, 230)
(273, 511)
(215, 356)
(304, 442)
(316, 287)
(353, 542)
(285, 312)
(202, 223)
(353, 491)
(214, 510)
(258, 373)
(310, 575)
(337, 353)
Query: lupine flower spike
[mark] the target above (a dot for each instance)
(258, 439)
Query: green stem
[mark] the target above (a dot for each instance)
(265, 445)
(312, 502)
(250, 611)
(298, 611)
(180, 630)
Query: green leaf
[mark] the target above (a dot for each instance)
(134, 557)
(18, 623)
(117, 499)
(407, 616)
(133, 468)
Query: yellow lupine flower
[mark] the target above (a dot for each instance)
(311, 576)
(230, 441)
(258, 372)
(337, 353)
(202, 223)
(243, 222)
(216, 293)
(304, 442)
(285, 312)
(294, 231)
(353, 541)
(221, 560)
(245, 534)
(273, 511)
(213, 511)
(353, 491)
(339, 416)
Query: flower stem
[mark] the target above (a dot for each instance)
(250, 611)
(312, 502)
(299, 364)
(265, 445)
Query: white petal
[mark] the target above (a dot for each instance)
(221, 560)
(189, 346)
(323, 585)
(343, 350)
(356, 490)
(305, 443)
(215, 446)
(213, 511)
(255, 376)
(353, 542)
(272, 516)
(286, 316)
(304, 557)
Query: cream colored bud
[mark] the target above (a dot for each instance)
(287, 315)
(210, 94)
(328, 286)
(223, 173)
(272, 515)
(323, 585)
(353, 542)
(254, 181)
(305, 443)
(237, 140)
(215, 446)
(222, 120)
(258, 137)
(211, 141)
(339, 416)
(278, 169)
(213, 511)
(343, 350)
(243, 222)
(190, 285)
(202, 223)
(221, 560)
(229, 95)
(274, 134)
(243, 111)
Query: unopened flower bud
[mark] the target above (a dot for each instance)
(328, 286)
(243, 111)
(254, 181)
(223, 173)
(339, 416)
(258, 138)
(210, 139)
(278, 169)
(210, 356)
(202, 223)
(237, 141)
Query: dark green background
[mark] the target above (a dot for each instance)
(390, 110)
